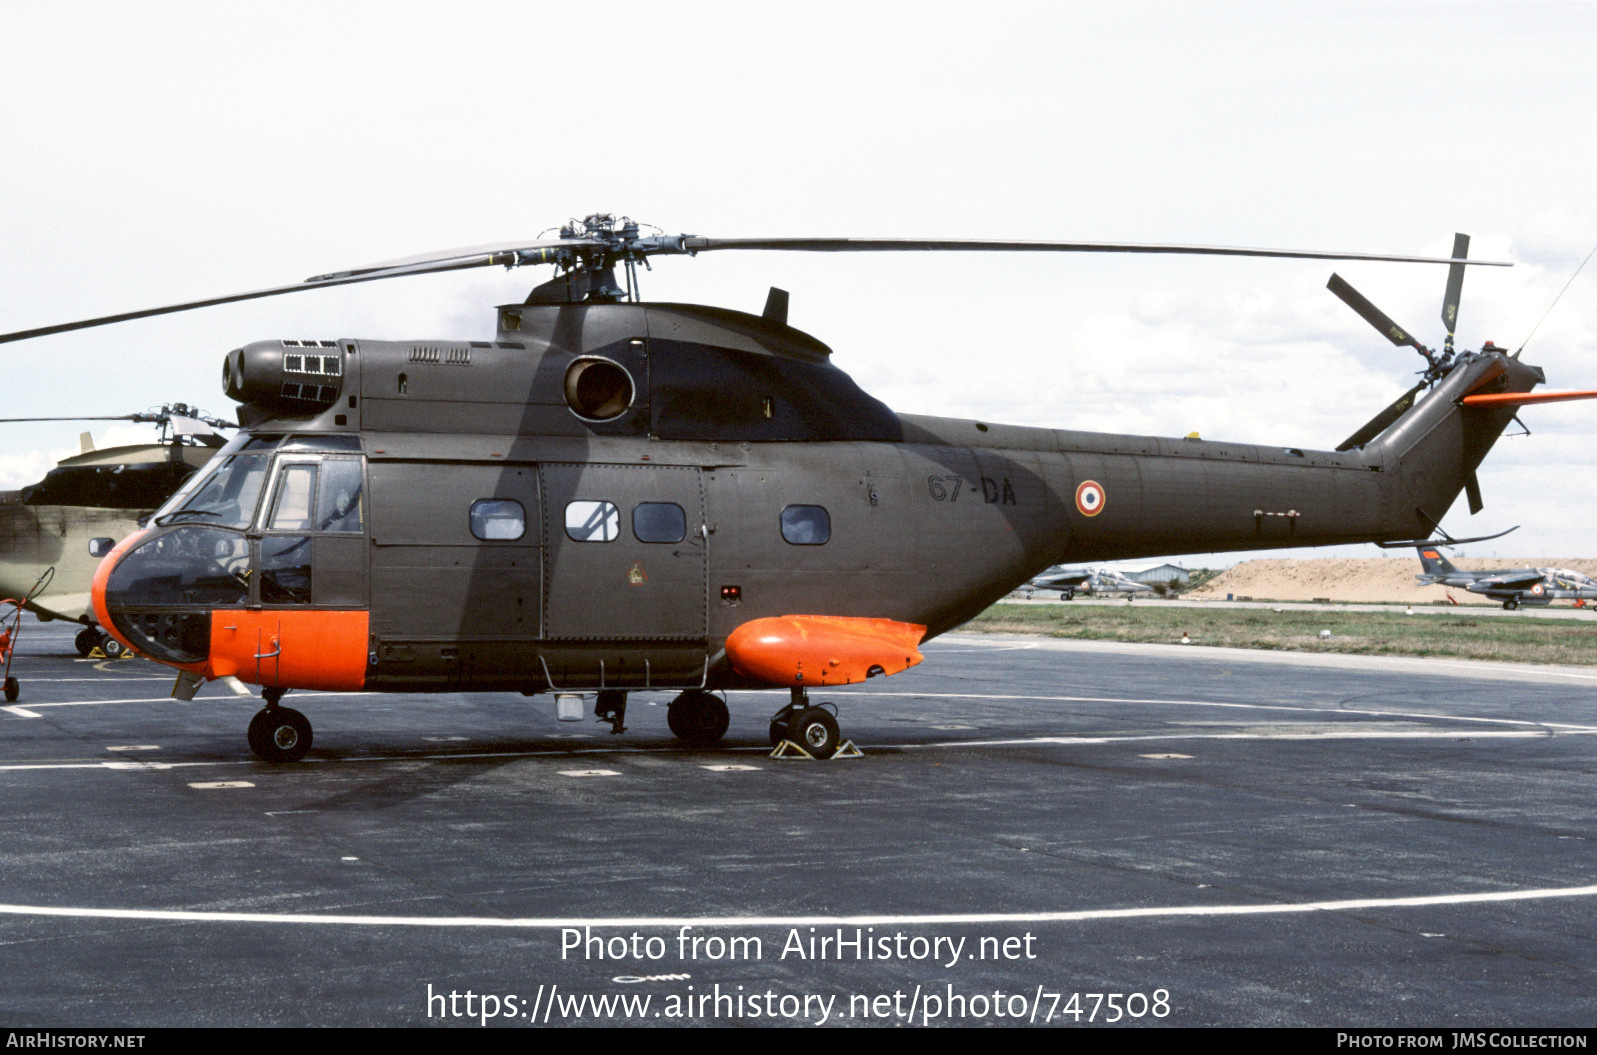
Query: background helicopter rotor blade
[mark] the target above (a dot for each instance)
(1455, 285)
(166, 413)
(79, 417)
(1378, 424)
(1371, 314)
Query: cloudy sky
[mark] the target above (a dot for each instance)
(160, 152)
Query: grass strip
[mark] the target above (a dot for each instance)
(1459, 636)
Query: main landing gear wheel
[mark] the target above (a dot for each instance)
(13, 690)
(815, 730)
(87, 641)
(280, 734)
(1509, 606)
(698, 717)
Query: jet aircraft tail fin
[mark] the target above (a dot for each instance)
(1434, 563)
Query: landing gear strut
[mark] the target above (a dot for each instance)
(698, 717)
(812, 728)
(92, 637)
(611, 706)
(279, 734)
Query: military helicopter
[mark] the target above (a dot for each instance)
(82, 507)
(616, 495)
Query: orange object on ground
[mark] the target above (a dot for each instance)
(805, 650)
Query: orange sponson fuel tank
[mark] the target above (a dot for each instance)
(802, 650)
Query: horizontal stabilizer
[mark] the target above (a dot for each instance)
(1519, 399)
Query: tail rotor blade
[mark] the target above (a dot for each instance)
(1371, 314)
(1455, 285)
(1378, 424)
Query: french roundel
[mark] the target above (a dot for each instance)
(1090, 498)
(1537, 589)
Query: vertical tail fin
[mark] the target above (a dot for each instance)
(1433, 562)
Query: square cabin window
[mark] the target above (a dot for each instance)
(498, 519)
(659, 522)
(593, 521)
(806, 525)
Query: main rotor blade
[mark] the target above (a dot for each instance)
(1455, 283)
(1372, 315)
(562, 250)
(1378, 424)
(274, 291)
(510, 254)
(697, 244)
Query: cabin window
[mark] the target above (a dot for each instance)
(498, 519)
(340, 506)
(659, 522)
(806, 525)
(293, 504)
(593, 521)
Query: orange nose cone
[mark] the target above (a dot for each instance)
(101, 575)
(800, 650)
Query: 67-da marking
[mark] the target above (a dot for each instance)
(947, 488)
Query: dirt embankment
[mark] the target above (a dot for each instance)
(1375, 580)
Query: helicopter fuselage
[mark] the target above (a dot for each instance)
(601, 496)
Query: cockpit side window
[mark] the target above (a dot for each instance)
(294, 505)
(341, 504)
(227, 497)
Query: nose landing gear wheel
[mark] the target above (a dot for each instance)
(698, 717)
(111, 647)
(280, 734)
(815, 730)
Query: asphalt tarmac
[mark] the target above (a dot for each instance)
(1214, 837)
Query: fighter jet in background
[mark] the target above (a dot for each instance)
(1512, 586)
(1095, 583)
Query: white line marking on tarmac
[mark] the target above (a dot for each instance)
(994, 648)
(1280, 733)
(590, 772)
(168, 699)
(21, 712)
(111, 677)
(211, 785)
(1239, 706)
(731, 768)
(1283, 734)
(134, 747)
(1077, 916)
